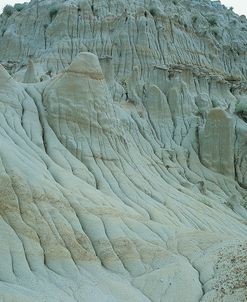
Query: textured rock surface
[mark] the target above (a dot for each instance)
(123, 152)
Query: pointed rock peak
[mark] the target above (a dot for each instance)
(30, 74)
(135, 73)
(107, 68)
(88, 65)
(4, 75)
(136, 68)
(217, 113)
(6, 81)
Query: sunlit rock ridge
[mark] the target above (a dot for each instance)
(123, 152)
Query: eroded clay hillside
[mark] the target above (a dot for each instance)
(123, 152)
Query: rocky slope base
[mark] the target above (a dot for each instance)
(123, 155)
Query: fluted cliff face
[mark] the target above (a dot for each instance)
(123, 152)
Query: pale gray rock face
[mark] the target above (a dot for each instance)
(217, 142)
(123, 158)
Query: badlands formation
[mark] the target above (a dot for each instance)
(123, 152)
